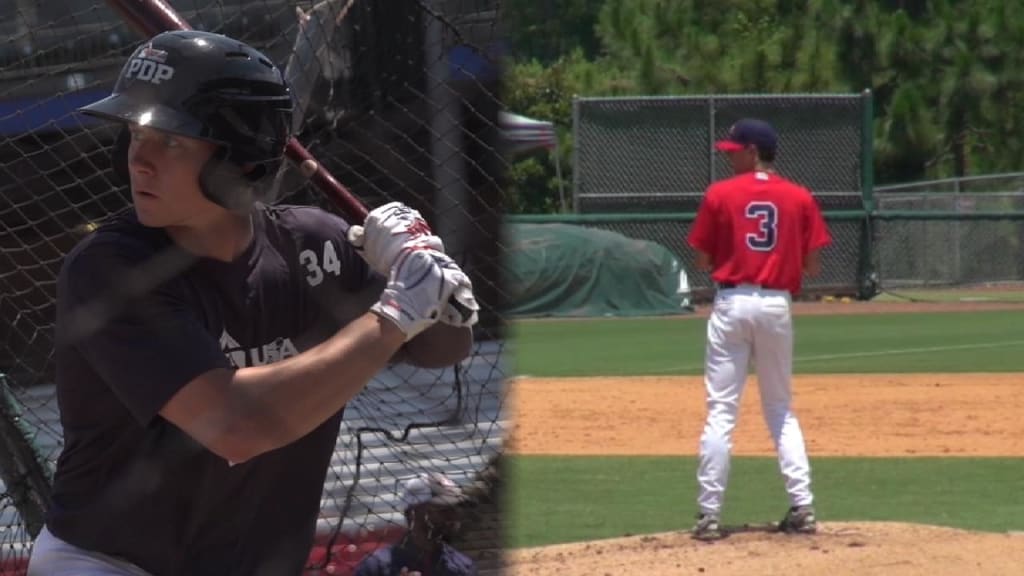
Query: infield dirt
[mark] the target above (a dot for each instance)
(899, 415)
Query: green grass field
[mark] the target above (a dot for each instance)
(876, 343)
(567, 499)
(564, 499)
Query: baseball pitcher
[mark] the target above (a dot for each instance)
(758, 234)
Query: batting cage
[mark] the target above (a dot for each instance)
(397, 100)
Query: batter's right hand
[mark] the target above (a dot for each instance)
(418, 289)
(387, 231)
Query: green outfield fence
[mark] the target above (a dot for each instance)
(656, 154)
(641, 166)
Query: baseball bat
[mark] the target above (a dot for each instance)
(151, 17)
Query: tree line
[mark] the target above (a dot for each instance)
(947, 75)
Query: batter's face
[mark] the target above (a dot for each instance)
(164, 170)
(743, 160)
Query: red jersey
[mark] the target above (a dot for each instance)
(758, 228)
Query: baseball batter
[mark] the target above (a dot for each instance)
(207, 344)
(758, 234)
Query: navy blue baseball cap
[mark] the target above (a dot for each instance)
(749, 132)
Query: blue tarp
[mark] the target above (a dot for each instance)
(57, 112)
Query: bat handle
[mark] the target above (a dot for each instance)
(325, 182)
(464, 312)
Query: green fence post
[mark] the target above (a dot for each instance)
(575, 154)
(867, 280)
(867, 165)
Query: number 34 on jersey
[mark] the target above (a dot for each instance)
(319, 264)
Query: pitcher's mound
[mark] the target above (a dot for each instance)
(893, 549)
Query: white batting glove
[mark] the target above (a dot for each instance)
(418, 290)
(389, 230)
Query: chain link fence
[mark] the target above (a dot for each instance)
(400, 101)
(1009, 182)
(956, 232)
(655, 154)
(948, 251)
(644, 156)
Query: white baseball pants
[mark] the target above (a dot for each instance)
(747, 324)
(52, 556)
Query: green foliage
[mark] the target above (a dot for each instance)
(532, 186)
(546, 92)
(948, 76)
(546, 30)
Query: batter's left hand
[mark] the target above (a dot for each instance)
(388, 230)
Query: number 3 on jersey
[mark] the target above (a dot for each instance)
(330, 263)
(767, 218)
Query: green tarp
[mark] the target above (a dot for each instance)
(568, 270)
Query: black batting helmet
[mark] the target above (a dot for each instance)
(211, 87)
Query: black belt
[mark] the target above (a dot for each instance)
(755, 286)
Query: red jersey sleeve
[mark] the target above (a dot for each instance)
(702, 234)
(816, 233)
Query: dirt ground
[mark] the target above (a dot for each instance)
(896, 415)
(847, 549)
(841, 415)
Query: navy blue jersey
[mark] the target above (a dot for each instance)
(138, 319)
(390, 561)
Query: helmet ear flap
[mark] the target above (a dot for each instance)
(224, 182)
